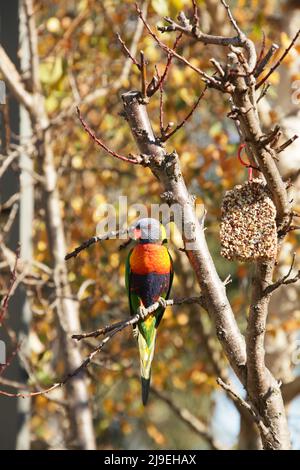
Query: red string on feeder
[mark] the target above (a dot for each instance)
(247, 165)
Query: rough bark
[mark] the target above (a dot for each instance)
(262, 387)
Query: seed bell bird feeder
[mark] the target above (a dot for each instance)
(248, 221)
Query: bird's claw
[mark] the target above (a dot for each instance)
(143, 312)
(135, 332)
(162, 302)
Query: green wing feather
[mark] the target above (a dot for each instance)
(165, 295)
(134, 301)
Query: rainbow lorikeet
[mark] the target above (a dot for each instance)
(149, 276)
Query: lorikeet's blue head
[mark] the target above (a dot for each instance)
(149, 231)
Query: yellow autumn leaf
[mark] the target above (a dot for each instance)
(51, 70)
(155, 434)
(198, 377)
(161, 7)
(53, 25)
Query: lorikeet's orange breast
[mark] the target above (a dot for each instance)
(150, 258)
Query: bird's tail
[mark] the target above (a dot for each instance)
(146, 349)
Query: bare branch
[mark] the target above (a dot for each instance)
(10, 220)
(260, 381)
(14, 81)
(33, 46)
(247, 406)
(262, 51)
(240, 40)
(143, 75)
(282, 57)
(95, 239)
(244, 105)
(207, 78)
(218, 67)
(263, 62)
(194, 423)
(286, 144)
(161, 106)
(153, 88)
(127, 51)
(187, 117)
(133, 320)
(264, 91)
(285, 280)
(13, 278)
(110, 331)
(101, 144)
(233, 21)
(195, 13)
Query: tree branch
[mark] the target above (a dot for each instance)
(206, 78)
(101, 144)
(14, 81)
(194, 423)
(166, 167)
(285, 280)
(33, 46)
(245, 405)
(165, 137)
(133, 320)
(109, 332)
(279, 61)
(262, 387)
(95, 239)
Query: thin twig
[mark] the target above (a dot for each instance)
(285, 280)
(87, 243)
(33, 45)
(179, 126)
(291, 228)
(287, 144)
(253, 413)
(101, 144)
(194, 423)
(133, 320)
(153, 88)
(7, 162)
(110, 331)
(143, 74)
(264, 91)
(10, 220)
(232, 20)
(213, 81)
(218, 67)
(161, 104)
(262, 50)
(262, 64)
(282, 57)
(127, 51)
(13, 278)
(195, 13)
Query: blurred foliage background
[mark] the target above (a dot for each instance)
(79, 56)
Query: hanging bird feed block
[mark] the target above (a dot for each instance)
(248, 224)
